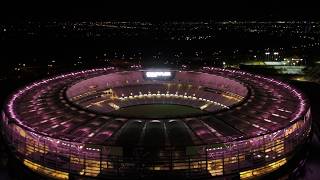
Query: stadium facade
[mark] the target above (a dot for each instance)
(67, 126)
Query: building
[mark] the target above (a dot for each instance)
(237, 124)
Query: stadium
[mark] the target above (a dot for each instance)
(109, 123)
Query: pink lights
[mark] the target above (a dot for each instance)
(269, 122)
(302, 100)
(20, 93)
(234, 79)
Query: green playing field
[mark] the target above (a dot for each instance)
(158, 111)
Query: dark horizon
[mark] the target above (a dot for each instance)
(161, 11)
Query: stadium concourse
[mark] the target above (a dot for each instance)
(228, 123)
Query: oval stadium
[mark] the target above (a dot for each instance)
(110, 123)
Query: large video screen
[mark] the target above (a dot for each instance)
(159, 75)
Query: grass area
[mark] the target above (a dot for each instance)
(158, 111)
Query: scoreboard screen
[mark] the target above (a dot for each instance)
(159, 75)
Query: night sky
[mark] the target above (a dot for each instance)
(162, 10)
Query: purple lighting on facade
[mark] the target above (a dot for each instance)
(66, 120)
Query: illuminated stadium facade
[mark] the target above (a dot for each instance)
(244, 125)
